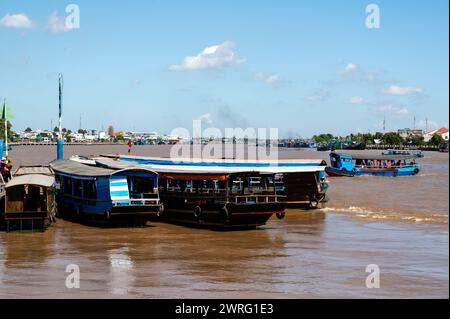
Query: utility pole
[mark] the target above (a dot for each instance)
(414, 123)
(384, 125)
(426, 124)
(80, 122)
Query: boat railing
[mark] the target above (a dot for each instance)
(192, 190)
(136, 202)
(388, 166)
(256, 199)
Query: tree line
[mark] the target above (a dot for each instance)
(390, 138)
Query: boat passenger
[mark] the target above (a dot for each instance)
(5, 171)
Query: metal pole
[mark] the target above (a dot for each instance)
(60, 142)
(6, 131)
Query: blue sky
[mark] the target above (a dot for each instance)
(304, 67)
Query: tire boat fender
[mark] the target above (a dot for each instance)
(225, 214)
(281, 215)
(161, 210)
(314, 203)
(197, 212)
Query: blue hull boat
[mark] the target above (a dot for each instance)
(351, 165)
(97, 194)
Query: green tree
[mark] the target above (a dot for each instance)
(2, 130)
(323, 138)
(416, 140)
(28, 130)
(392, 139)
(364, 138)
(436, 139)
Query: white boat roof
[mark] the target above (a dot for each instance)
(219, 160)
(25, 170)
(73, 167)
(189, 169)
(31, 179)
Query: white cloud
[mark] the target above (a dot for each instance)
(213, 57)
(17, 21)
(403, 90)
(270, 79)
(317, 96)
(393, 109)
(206, 118)
(349, 68)
(356, 100)
(56, 24)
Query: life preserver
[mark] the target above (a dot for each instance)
(225, 215)
(161, 210)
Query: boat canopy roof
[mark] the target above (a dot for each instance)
(192, 169)
(70, 167)
(42, 170)
(376, 157)
(31, 179)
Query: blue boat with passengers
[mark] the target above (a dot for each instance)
(376, 165)
(104, 195)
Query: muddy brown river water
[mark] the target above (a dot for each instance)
(399, 224)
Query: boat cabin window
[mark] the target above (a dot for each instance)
(252, 185)
(27, 198)
(77, 188)
(90, 189)
(140, 187)
(196, 186)
(67, 183)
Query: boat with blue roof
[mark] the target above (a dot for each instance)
(354, 164)
(128, 196)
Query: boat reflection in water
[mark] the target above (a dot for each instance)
(121, 271)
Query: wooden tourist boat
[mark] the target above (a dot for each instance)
(29, 199)
(216, 196)
(302, 181)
